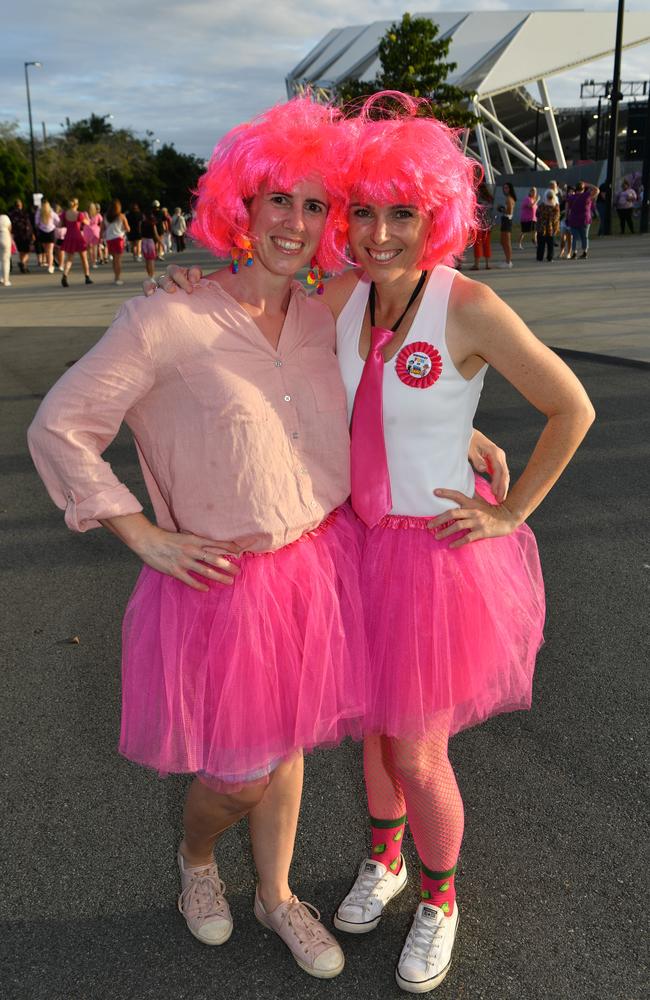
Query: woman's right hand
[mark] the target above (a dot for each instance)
(177, 553)
(174, 277)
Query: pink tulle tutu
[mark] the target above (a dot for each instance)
(453, 633)
(229, 682)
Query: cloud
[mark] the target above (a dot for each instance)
(188, 71)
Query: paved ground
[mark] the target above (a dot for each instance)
(554, 862)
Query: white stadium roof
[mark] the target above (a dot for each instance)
(498, 53)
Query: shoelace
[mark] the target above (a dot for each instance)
(426, 938)
(364, 889)
(304, 921)
(203, 897)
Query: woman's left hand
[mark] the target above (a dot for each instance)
(486, 456)
(474, 515)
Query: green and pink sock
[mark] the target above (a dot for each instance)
(438, 888)
(387, 836)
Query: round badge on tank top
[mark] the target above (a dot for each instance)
(418, 365)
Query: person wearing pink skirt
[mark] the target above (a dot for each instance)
(74, 241)
(450, 577)
(243, 641)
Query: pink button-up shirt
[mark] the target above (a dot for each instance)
(237, 441)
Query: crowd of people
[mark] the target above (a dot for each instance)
(558, 219)
(54, 235)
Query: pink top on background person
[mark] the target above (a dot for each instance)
(528, 210)
(51, 225)
(92, 229)
(236, 440)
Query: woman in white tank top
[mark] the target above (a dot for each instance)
(452, 588)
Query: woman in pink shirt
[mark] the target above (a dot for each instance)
(528, 216)
(243, 640)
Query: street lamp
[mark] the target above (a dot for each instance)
(31, 128)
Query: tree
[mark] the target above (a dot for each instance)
(178, 173)
(15, 175)
(90, 129)
(413, 60)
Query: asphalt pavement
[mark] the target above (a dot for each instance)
(553, 873)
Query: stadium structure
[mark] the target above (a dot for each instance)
(499, 56)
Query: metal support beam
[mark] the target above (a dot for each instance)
(505, 159)
(551, 124)
(483, 146)
(528, 160)
(479, 109)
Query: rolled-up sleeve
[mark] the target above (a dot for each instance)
(79, 418)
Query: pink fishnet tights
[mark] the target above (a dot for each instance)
(415, 777)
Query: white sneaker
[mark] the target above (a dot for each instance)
(50, 269)
(203, 904)
(363, 906)
(506, 264)
(118, 282)
(426, 955)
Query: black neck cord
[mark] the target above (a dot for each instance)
(416, 292)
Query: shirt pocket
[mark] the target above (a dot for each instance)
(225, 397)
(321, 371)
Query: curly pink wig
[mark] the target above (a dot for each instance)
(403, 158)
(281, 147)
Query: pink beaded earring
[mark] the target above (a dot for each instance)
(315, 276)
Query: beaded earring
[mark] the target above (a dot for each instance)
(244, 249)
(315, 276)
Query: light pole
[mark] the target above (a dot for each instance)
(31, 128)
(613, 129)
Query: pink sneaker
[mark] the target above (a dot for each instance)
(203, 904)
(298, 924)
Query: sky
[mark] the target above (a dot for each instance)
(188, 71)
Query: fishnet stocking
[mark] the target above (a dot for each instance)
(416, 777)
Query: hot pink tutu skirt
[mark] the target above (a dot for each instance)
(228, 682)
(453, 633)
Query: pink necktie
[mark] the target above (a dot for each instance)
(371, 497)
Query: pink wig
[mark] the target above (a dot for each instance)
(281, 147)
(404, 158)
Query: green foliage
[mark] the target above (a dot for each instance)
(15, 169)
(413, 60)
(178, 173)
(92, 161)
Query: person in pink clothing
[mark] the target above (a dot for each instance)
(243, 639)
(528, 217)
(92, 233)
(74, 241)
(450, 577)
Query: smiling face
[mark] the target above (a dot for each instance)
(387, 241)
(288, 225)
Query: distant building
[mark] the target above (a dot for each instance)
(499, 54)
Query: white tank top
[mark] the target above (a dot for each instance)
(115, 229)
(428, 405)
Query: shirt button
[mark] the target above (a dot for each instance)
(295, 435)
(278, 364)
(287, 399)
(303, 470)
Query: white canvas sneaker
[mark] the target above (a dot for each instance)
(363, 906)
(426, 955)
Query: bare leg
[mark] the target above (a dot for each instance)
(273, 823)
(84, 262)
(208, 814)
(150, 266)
